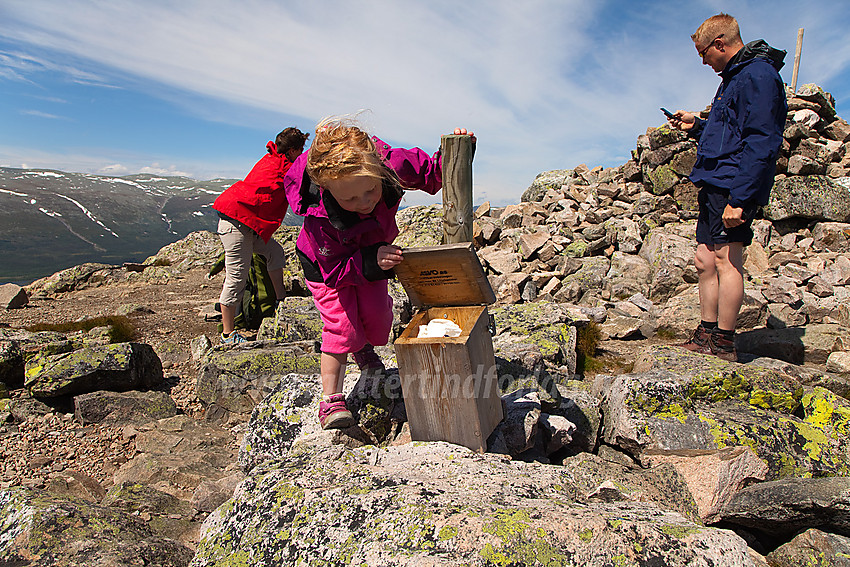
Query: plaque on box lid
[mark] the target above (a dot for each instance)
(446, 275)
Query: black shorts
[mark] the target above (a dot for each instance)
(710, 229)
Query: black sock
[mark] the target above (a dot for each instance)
(708, 326)
(724, 332)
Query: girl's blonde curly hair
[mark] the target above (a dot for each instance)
(342, 149)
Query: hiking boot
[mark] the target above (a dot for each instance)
(232, 338)
(723, 347)
(333, 414)
(367, 359)
(699, 341)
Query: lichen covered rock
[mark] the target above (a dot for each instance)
(679, 400)
(439, 504)
(236, 379)
(44, 530)
(117, 367)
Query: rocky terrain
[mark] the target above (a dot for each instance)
(137, 440)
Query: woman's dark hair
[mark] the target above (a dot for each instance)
(290, 139)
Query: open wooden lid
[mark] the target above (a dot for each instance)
(450, 274)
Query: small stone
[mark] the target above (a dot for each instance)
(12, 296)
(838, 362)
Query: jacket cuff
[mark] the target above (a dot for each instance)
(697, 129)
(371, 271)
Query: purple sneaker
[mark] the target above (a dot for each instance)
(333, 414)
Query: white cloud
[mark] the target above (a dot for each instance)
(97, 162)
(545, 85)
(41, 114)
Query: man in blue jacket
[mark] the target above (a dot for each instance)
(734, 170)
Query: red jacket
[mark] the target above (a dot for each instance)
(258, 201)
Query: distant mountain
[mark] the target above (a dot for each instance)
(51, 220)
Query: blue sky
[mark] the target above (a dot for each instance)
(197, 88)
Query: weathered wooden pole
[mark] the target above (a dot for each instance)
(457, 188)
(797, 59)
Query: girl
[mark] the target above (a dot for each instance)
(348, 188)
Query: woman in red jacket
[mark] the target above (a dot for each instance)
(250, 211)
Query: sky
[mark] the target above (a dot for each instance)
(197, 88)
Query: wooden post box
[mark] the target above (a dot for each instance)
(449, 383)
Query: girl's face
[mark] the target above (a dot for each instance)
(357, 193)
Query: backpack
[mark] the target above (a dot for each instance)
(259, 299)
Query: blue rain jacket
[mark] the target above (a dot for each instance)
(740, 140)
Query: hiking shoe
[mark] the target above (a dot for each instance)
(232, 338)
(367, 359)
(333, 414)
(699, 341)
(723, 347)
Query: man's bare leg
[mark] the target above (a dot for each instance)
(705, 261)
(729, 265)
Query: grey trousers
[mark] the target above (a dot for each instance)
(240, 242)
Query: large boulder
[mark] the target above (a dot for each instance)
(296, 319)
(814, 197)
(419, 226)
(117, 367)
(546, 327)
(545, 181)
(811, 547)
(177, 454)
(235, 379)
(70, 279)
(123, 407)
(790, 505)
(278, 420)
(440, 504)
(199, 249)
(671, 260)
(44, 530)
(810, 344)
(678, 400)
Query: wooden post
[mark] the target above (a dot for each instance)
(797, 59)
(457, 188)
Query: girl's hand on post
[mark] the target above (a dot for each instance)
(389, 257)
(460, 131)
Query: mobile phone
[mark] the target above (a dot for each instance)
(667, 113)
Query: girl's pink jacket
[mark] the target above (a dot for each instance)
(339, 248)
(259, 200)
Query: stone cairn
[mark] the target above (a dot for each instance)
(621, 235)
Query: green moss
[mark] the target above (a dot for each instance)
(719, 385)
(826, 411)
(585, 535)
(447, 533)
(577, 249)
(520, 545)
(815, 438)
(121, 329)
(662, 179)
(679, 532)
